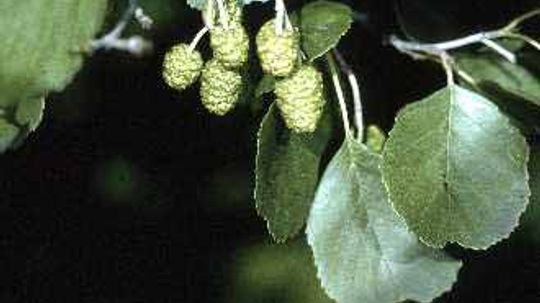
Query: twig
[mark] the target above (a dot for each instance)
(339, 93)
(355, 88)
(526, 39)
(144, 20)
(420, 50)
(136, 45)
(437, 48)
(520, 19)
(197, 38)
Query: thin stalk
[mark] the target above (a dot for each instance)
(339, 93)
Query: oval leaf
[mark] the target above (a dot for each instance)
(456, 169)
(362, 249)
(514, 88)
(323, 23)
(287, 171)
(43, 44)
(513, 78)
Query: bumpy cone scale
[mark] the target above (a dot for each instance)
(234, 11)
(181, 68)
(300, 99)
(229, 42)
(220, 88)
(278, 54)
(230, 45)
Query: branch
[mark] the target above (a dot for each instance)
(436, 49)
(423, 50)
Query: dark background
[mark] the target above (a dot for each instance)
(131, 192)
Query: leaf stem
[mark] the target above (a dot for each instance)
(508, 55)
(447, 64)
(355, 88)
(339, 93)
(526, 39)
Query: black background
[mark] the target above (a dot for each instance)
(64, 239)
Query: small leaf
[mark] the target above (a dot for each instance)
(43, 44)
(8, 134)
(323, 23)
(362, 249)
(287, 171)
(456, 169)
(30, 112)
(265, 86)
(375, 138)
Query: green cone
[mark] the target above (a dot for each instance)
(234, 11)
(181, 68)
(230, 45)
(220, 88)
(300, 99)
(278, 54)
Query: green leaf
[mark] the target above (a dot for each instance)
(8, 134)
(30, 112)
(531, 218)
(362, 249)
(42, 44)
(514, 88)
(323, 23)
(375, 138)
(287, 171)
(456, 169)
(513, 78)
(265, 86)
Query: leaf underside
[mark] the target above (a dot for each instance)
(362, 249)
(456, 169)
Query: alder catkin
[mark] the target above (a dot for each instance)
(181, 68)
(278, 54)
(220, 88)
(300, 99)
(230, 45)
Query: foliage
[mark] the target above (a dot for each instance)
(41, 52)
(448, 159)
(362, 249)
(456, 166)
